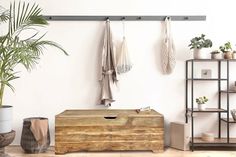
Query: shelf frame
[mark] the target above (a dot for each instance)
(190, 110)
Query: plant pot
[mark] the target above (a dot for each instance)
(5, 119)
(201, 107)
(200, 53)
(228, 55)
(216, 56)
(234, 55)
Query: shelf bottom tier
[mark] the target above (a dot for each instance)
(217, 141)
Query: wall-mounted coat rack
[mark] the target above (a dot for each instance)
(127, 18)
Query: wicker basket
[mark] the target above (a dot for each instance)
(28, 142)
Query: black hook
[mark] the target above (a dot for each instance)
(107, 18)
(123, 18)
(186, 18)
(139, 18)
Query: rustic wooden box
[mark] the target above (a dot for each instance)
(106, 130)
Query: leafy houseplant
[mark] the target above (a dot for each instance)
(197, 44)
(227, 50)
(17, 51)
(201, 103)
(216, 54)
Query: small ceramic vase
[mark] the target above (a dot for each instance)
(201, 107)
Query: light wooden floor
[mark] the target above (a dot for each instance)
(16, 151)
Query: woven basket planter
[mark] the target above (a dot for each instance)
(28, 141)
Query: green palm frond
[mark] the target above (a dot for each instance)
(4, 15)
(25, 16)
(13, 49)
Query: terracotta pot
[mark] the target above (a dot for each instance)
(228, 55)
(216, 56)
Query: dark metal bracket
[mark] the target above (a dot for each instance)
(126, 18)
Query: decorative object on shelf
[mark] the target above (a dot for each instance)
(234, 55)
(18, 51)
(168, 55)
(5, 140)
(108, 76)
(198, 44)
(233, 87)
(233, 114)
(201, 103)
(35, 137)
(216, 54)
(208, 137)
(227, 50)
(206, 73)
(124, 64)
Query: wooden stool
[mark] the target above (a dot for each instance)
(5, 140)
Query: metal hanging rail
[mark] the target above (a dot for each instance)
(127, 18)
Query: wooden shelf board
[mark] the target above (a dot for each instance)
(210, 60)
(230, 91)
(198, 140)
(207, 110)
(231, 120)
(206, 79)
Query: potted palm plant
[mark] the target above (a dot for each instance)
(14, 50)
(198, 44)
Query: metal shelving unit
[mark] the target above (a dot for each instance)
(190, 110)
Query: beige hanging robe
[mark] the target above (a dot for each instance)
(109, 74)
(168, 49)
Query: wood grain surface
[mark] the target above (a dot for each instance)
(105, 130)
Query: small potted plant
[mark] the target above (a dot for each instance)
(227, 50)
(216, 54)
(198, 44)
(201, 103)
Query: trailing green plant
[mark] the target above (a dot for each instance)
(201, 100)
(200, 42)
(13, 49)
(226, 47)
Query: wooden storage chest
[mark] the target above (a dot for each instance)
(106, 130)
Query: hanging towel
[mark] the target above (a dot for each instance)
(123, 62)
(39, 128)
(109, 72)
(168, 49)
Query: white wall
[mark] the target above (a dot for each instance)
(61, 82)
